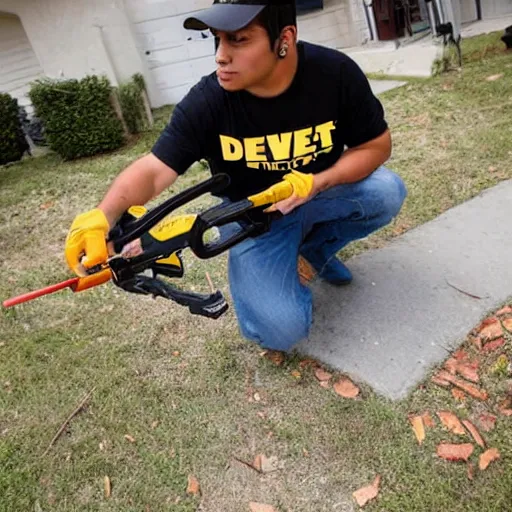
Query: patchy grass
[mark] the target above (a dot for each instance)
(195, 412)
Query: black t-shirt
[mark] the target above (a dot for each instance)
(328, 106)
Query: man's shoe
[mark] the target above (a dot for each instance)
(334, 272)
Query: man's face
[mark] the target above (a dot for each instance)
(244, 58)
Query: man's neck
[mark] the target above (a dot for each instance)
(280, 79)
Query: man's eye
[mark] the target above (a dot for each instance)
(239, 39)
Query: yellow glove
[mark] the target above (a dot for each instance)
(302, 183)
(87, 237)
(293, 183)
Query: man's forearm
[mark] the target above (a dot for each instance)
(355, 164)
(140, 182)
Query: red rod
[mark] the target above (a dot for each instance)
(70, 283)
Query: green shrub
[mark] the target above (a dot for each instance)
(12, 141)
(78, 116)
(132, 105)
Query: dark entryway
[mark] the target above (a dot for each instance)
(400, 18)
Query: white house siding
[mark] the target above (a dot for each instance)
(74, 38)
(495, 8)
(178, 58)
(18, 62)
(468, 11)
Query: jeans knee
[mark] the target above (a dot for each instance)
(388, 192)
(277, 332)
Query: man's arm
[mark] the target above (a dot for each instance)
(355, 164)
(140, 182)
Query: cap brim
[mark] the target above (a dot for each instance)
(224, 17)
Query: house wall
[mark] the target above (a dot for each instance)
(18, 62)
(495, 8)
(73, 38)
(468, 11)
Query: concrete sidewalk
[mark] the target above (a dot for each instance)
(400, 315)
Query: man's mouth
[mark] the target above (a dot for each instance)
(225, 75)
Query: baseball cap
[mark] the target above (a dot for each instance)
(230, 15)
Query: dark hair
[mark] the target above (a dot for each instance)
(275, 17)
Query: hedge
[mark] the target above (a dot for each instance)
(132, 105)
(12, 140)
(78, 116)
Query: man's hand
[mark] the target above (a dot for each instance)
(303, 191)
(86, 244)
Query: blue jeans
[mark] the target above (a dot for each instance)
(273, 308)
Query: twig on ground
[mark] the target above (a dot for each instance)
(70, 417)
(210, 282)
(248, 464)
(462, 291)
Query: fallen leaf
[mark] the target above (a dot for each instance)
(487, 457)
(257, 397)
(418, 428)
(492, 78)
(505, 406)
(47, 205)
(474, 433)
(107, 487)
(308, 362)
(487, 422)
(368, 493)
(275, 356)
(451, 422)
(261, 507)
(455, 452)
(128, 437)
(436, 379)
(176, 353)
(325, 384)
(458, 394)
(471, 470)
(193, 485)
(504, 311)
(427, 420)
(508, 324)
(346, 388)
(322, 375)
(465, 386)
(491, 346)
(296, 374)
(265, 464)
(491, 330)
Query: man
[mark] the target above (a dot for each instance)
(275, 109)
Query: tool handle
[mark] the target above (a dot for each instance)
(120, 236)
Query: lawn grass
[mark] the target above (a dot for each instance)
(184, 387)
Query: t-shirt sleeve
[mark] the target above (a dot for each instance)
(362, 114)
(184, 139)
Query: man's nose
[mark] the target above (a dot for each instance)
(221, 53)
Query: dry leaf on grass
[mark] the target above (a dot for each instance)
(107, 487)
(491, 346)
(436, 379)
(508, 324)
(322, 375)
(487, 457)
(455, 452)
(275, 356)
(265, 464)
(451, 422)
(490, 329)
(129, 438)
(418, 427)
(192, 485)
(474, 433)
(458, 394)
(47, 205)
(346, 388)
(470, 389)
(504, 311)
(487, 422)
(492, 78)
(296, 374)
(368, 493)
(325, 384)
(471, 470)
(427, 420)
(505, 406)
(261, 507)
(308, 362)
